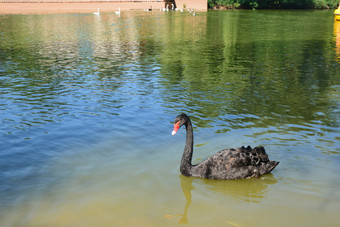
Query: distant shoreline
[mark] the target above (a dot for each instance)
(89, 6)
(274, 5)
(65, 7)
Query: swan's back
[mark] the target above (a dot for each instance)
(236, 163)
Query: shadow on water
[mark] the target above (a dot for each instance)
(247, 190)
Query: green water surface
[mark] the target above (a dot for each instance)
(87, 104)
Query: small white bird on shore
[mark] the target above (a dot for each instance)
(97, 13)
(118, 12)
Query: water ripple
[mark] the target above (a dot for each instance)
(86, 106)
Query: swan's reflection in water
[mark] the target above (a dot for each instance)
(247, 190)
(186, 185)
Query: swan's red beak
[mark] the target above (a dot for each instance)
(176, 127)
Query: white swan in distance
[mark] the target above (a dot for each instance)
(118, 12)
(165, 9)
(97, 13)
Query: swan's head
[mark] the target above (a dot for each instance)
(179, 122)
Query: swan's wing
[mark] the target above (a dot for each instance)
(235, 164)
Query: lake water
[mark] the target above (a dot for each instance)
(87, 104)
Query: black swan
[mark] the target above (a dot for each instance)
(231, 163)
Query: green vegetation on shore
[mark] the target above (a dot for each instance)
(273, 4)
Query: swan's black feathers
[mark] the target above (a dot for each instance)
(247, 156)
(235, 164)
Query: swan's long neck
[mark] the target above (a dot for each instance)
(188, 150)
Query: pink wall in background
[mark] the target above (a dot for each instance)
(193, 4)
